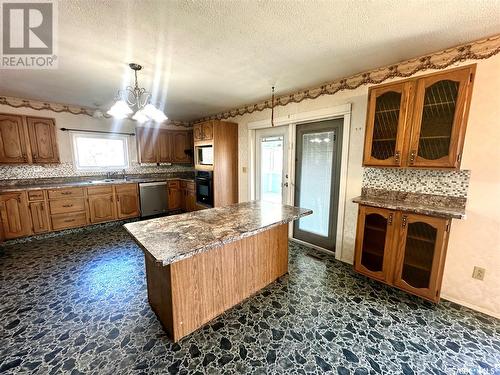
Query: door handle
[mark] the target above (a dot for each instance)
(285, 184)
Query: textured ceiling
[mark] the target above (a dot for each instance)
(202, 57)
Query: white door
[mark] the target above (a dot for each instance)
(271, 161)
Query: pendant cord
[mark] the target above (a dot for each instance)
(272, 107)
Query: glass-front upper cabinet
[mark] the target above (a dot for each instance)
(385, 124)
(374, 242)
(439, 119)
(419, 122)
(421, 252)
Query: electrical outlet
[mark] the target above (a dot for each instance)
(478, 273)
(244, 169)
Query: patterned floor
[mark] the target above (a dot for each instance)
(77, 304)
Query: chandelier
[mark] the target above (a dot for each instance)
(137, 101)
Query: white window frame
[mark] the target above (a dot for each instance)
(124, 138)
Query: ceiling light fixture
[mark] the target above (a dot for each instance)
(135, 99)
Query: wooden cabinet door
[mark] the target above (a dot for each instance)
(190, 200)
(15, 215)
(42, 135)
(12, 140)
(374, 242)
(420, 256)
(207, 129)
(385, 124)
(197, 132)
(181, 143)
(174, 198)
(127, 201)
(440, 118)
(165, 147)
(39, 217)
(101, 208)
(147, 142)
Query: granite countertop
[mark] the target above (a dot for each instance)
(173, 238)
(425, 204)
(86, 183)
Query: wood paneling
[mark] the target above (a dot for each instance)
(15, 215)
(225, 176)
(43, 142)
(189, 293)
(12, 140)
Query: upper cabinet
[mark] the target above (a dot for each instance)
(43, 141)
(204, 131)
(164, 146)
(27, 140)
(419, 122)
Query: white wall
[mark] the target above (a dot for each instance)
(475, 241)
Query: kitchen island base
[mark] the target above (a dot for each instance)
(189, 293)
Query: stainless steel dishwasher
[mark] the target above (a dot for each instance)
(154, 198)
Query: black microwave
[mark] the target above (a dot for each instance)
(204, 155)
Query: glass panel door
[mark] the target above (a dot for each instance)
(317, 181)
(423, 242)
(271, 163)
(439, 107)
(373, 246)
(386, 122)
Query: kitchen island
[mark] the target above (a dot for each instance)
(202, 263)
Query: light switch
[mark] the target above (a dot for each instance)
(244, 169)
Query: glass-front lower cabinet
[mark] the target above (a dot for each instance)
(402, 249)
(421, 251)
(374, 242)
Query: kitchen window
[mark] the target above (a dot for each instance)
(100, 151)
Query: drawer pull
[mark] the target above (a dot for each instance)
(404, 221)
(390, 219)
(66, 193)
(67, 205)
(69, 220)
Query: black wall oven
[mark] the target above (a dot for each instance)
(204, 188)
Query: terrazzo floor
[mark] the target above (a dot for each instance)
(77, 304)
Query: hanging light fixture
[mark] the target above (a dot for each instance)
(272, 107)
(135, 100)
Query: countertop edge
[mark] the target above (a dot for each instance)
(215, 244)
(63, 185)
(424, 210)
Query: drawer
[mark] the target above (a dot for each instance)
(183, 184)
(96, 190)
(66, 221)
(190, 186)
(173, 184)
(35, 195)
(61, 206)
(66, 193)
(126, 188)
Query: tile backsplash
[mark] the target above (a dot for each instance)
(423, 181)
(68, 170)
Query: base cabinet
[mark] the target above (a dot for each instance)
(402, 249)
(16, 219)
(127, 201)
(101, 208)
(39, 217)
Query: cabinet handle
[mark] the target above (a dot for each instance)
(19, 199)
(413, 154)
(404, 221)
(69, 220)
(389, 221)
(397, 157)
(67, 205)
(66, 193)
